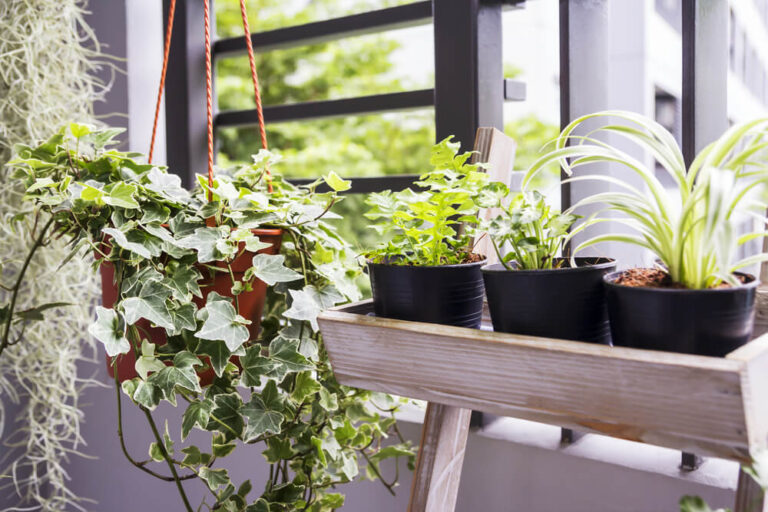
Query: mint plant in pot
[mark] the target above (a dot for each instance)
(535, 291)
(695, 300)
(427, 271)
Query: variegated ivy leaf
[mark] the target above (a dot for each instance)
(215, 478)
(147, 362)
(154, 212)
(110, 330)
(264, 412)
(223, 323)
(304, 306)
(336, 182)
(121, 195)
(197, 413)
(181, 374)
(204, 241)
(184, 283)
(286, 357)
(167, 185)
(119, 238)
(254, 367)
(150, 304)
(270, 269)
(226, 417)
(217, 352)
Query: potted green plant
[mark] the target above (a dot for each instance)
(426, 271)
(273, 387)
(695, 300)
(533, 289)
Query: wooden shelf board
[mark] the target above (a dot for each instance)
(687, 402)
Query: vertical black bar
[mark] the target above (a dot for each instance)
(705, 90)
(469, 77)
(689, 84)
(469, 86)
(185, 92)
(565, 90)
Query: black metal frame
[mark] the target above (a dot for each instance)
(467, 38)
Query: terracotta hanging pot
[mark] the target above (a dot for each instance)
(250, 303)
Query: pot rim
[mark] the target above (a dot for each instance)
(609, 279)
(498, 268)
(370, 263)
(267, 231)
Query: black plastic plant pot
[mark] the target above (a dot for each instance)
(444, 294)
(565, 303)
(710, 322)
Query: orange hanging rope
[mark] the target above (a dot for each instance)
(166, 51)
(257, 93)
(209, 94)
(209, 86)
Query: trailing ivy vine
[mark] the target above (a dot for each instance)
(273, 391)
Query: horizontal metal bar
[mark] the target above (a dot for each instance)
(514, 90)
(330, 108)
(408, 15)
(369, 184)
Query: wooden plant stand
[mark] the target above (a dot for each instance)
(704, 405)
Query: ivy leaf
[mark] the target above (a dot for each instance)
(306, 385)
(261, 505)
(254, 366)
(336, 182)
(197, 413)
(121, 195)
(110, 331)
(184, 317)
(220, 446)
(119, 238)
(278, 449)
(332, 500)
(154, 212)
(270, 269)
(226, 417)
(215, 478)
(204, 241)
(147, 362)
(264, 412)
(349, 466)
(304, 306)
(150, 304)
(194, 457)
(143, 393)
(223, 323)
(328, 400)
(184, 283)
(285, 353)
(218, 353)
(181, 374)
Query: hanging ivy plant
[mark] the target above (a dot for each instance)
(275, 390)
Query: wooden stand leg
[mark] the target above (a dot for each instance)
(441, 455)
(749, 495)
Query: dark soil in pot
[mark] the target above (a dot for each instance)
(663, 316)
(442, 294)
(565, 303)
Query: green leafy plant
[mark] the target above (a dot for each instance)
(530, 230)
(424, 225)
(692, 228)
(276, 390)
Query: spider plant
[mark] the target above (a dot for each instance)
(692, 228)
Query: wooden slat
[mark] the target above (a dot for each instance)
(761, 306)
(686, 402)
(436, 480)
(495, 148)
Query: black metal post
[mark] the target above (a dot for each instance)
(705, 88)
(185, 92)
(469, 77)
